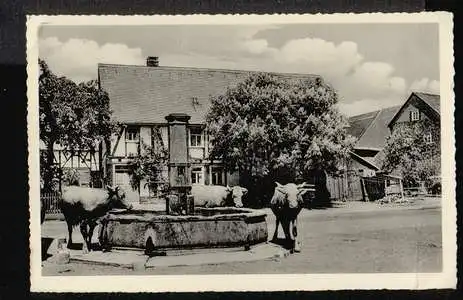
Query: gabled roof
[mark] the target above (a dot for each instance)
(140, 94)
(371, 128)
(430, 102)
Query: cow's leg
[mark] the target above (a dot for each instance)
(275, 234)
(69, 234)
(297, 243)
(83, 231)
(92, 225)
(103, 237)
(286, 228)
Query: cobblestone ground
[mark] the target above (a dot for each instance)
(345, 240)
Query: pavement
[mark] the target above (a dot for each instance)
(52, 231)
(338, 207)
(137, 260)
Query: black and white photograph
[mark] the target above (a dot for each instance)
(276, 152)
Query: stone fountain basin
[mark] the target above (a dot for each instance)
(207, 228)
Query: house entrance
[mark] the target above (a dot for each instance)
(122, 179)
(217, 176)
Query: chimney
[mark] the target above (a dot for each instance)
(152, 61)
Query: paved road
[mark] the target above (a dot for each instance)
(396, 240)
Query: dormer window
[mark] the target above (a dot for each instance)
(414, 115)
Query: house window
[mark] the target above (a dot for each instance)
(414, 115)
(181, 171)
(197, 175)
(428, 138)
(217, 176)
(131, 134)
(196, 138)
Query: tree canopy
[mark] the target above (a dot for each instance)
(408, 153)
(73, 116)
(267, 126)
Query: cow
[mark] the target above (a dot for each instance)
(217, 195)
(286, 204)
(84, 206)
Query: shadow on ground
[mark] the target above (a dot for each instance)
(46, 242)
(79, 246)
(288, 245)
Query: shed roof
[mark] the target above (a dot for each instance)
(371, 129)
(140, 94)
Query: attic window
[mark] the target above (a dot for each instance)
(414, 115)
(131, 134)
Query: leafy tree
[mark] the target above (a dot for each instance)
(408, 153)
(71, 115)
(268, 129)
(149, 166)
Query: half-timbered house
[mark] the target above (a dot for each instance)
(166, 106)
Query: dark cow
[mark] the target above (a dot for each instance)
(286, 203)
(217, 195)
(84, 206)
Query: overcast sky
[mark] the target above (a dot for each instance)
(371, 66)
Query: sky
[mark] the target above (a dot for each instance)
(371, 66)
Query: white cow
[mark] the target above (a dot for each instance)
(217, 195)
(286, 204)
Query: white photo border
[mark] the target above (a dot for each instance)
(257, 282)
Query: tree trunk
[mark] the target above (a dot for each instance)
(48, 168)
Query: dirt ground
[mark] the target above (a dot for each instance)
(351, 239)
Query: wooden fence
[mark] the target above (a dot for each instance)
(345, 187)
(350, 186)
(374, 188)
(51, 202)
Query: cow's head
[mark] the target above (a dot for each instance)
(237, 194)
(118, 198)
(293, 193)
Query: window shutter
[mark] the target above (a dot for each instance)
(410, 115)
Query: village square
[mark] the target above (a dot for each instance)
(148, 167)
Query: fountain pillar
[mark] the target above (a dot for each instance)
(179, 166)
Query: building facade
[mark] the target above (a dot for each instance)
(423, 110)
(79, 166)
(420, 107)
(166, 106)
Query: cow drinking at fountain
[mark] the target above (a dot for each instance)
(85, 206)
(218, 196)
(286, 204)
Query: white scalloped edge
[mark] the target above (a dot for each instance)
(261, 282)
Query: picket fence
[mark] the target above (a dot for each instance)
(51, 202)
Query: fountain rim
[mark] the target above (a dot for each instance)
(241, 214)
